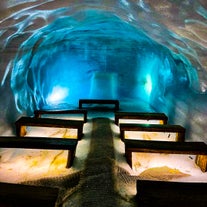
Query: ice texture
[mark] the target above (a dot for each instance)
(153, 52)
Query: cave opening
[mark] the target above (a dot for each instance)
(92, 54)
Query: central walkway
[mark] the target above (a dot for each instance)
(98, 186)
(101, 182)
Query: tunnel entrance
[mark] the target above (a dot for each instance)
(90, 54)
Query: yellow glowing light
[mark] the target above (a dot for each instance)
(161, 122)
(141, 135)
(175, 163)
(141, 121)
(162, 173)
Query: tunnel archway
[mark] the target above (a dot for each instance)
(68, 56)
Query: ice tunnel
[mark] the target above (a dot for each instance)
(55, 52)
(150, 55)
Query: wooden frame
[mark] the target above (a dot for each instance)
(153, 128)
(42, 143)
(27, 195)
(23, 122)
(140, 116)
(99, 101)
(171, 194)
(38, 113)
(192, 148)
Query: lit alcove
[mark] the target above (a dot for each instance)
(103, 86)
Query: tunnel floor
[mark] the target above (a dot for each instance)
(100, 175)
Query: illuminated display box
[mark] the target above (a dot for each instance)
(23, 122)
(42, 143)
(141, 117)
(152, 132)
(39, 113)
(191, 148)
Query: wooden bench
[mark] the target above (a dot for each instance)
(38, 113)
(99, 101)
(20, 195)
(191, 148)
(42, 143)
(179, 130)
(161, 117)
(171, 194)
(23, 122)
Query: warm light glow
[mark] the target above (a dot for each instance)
(141, 121)
(161, 136)
(175, 162)
(18, 165)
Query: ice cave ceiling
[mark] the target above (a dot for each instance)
(57, 51)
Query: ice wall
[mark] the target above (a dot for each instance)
(55, 52)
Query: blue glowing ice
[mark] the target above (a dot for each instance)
(67, 52)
